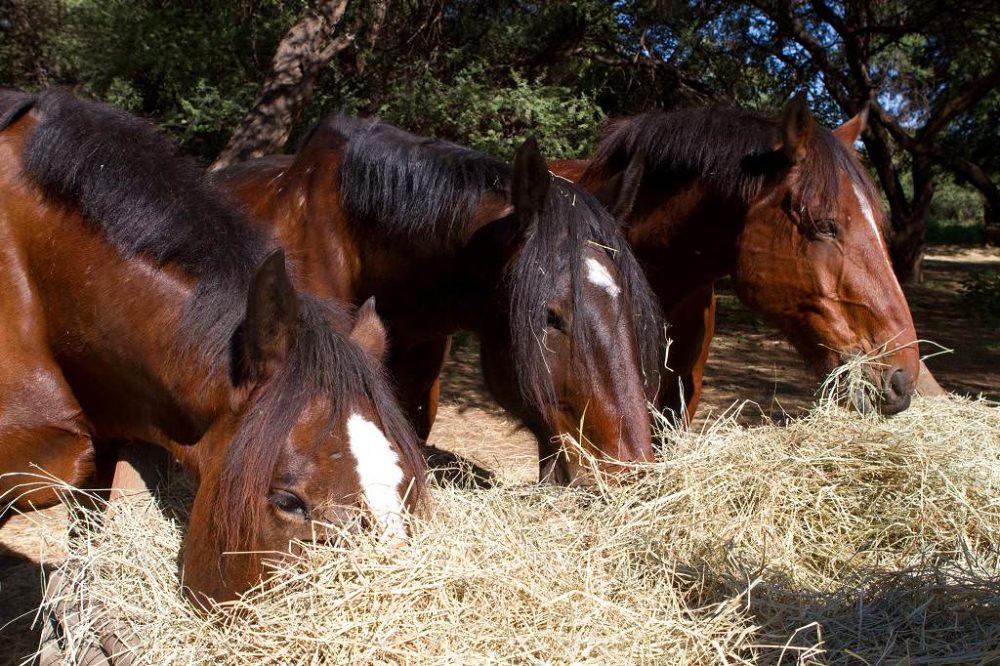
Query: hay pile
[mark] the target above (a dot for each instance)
(835, 538)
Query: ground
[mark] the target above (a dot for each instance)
(749, 362)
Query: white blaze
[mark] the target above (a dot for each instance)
(866, 210)
(599, 275)
(379, 471)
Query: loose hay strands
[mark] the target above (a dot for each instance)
(835, 539)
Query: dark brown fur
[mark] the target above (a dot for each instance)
(770, 202)
(137, 305)
(447, 239)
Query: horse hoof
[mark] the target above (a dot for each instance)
(451, 469)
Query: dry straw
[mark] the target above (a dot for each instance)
(836, 538)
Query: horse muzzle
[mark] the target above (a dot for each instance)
(896, 392)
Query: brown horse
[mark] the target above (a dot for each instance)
(135, 304)
(450, 239)
(786, 209)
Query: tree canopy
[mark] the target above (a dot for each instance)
(488, 72)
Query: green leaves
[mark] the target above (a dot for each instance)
(470, 108)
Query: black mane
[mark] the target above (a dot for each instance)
(410, 185)
(428, 190)
(128, 183)
(731, 150)
(124, 177)
(13, 104)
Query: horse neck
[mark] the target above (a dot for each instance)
(416, 278)
(115, 326)
(295, 199)
(298, 201)
(684, 236)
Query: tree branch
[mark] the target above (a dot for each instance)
(304, 50)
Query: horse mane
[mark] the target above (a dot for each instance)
(428, 190)
(130, 185)
(13, 105)
(733, 151)
(409, 185)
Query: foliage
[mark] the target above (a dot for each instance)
(495, 119)
(192, 67)
(956, 215)
(488, 72)
(980, 296)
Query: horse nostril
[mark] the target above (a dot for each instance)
(900, 383)
(898, 391)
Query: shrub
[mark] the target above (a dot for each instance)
(980, 296)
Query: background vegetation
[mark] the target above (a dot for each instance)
(487, 72)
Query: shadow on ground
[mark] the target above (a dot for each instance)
(21, 587)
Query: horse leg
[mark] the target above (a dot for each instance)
(417, 372)
(138, 469)
(553, 465)
(129, 469)
(691, 328)
(926, 384)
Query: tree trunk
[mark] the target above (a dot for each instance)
(906, 249)
(305, 49)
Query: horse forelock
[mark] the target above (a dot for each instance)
(321, 361)
(864, 186)
(821, 171)
(555, 243)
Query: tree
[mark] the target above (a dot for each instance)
(307, 47)
(909, 61)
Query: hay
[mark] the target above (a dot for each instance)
(834, 539)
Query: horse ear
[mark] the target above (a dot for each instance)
(531, 179)
(369, 331)
(796, 129)
(618, 193)
(852, 129)
(272, 310)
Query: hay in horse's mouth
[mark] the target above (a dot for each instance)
(835, 535)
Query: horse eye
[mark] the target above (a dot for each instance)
(288, 503)
(555, 321)
(826, 227)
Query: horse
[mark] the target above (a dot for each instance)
(137, 304)
(447, 238)
(782, 206)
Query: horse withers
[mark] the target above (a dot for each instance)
(136, 304)
(785, 208)
(447, 239)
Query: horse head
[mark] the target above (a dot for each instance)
(572, 341)
(313, 447)
(812, 257)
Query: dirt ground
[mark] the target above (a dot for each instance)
(749, 362)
